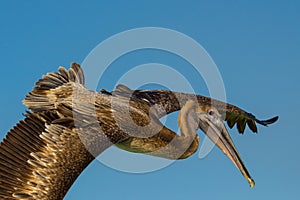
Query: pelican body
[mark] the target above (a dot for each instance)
(68, 126)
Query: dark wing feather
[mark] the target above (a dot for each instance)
(251, 124)
(241, 124)
(268, 121)
(242, 118)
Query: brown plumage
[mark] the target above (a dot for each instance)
(68, 126)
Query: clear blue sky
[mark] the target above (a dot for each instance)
(256, 47)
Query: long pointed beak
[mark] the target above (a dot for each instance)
(215, 129)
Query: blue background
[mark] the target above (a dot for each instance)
(256, 47)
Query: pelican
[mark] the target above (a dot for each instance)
(68, 126)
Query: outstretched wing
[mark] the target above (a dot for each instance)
(169, 102)
(42, 155)
(34, 156)
(15, 150)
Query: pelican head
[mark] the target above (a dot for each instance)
(209, 120)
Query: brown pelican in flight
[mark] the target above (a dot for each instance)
(68, 126)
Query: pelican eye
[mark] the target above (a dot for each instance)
(211, 112)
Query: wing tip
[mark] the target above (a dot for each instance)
(268, 121)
